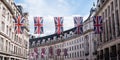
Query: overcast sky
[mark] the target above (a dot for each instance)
(54, 8)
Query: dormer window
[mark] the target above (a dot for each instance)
(33, 43)
(71, 33)
(54, 38)
(65, 35)
(43, 41)
(38, 42)
(61, 37)
(49, 39)
(68, 35)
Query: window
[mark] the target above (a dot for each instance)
(117, 22)
(105, 12)
(7, 30)
(116, 3)
(6, 45)
(1, 43)
(70, 55)
(3, 12)
(107, 30)
(10, 33)
(113, 25)
(14, 50)
(80, 53)
(104, 33)
(103, 15)
(83, 53)
(33, 43)
(112, 7)
(72, 48)
(109, 19)
(3, 26)
(119, 4)
(38, 43)
(8, 15)
(9, 46)
(80, 46)
(77, 46)
(77, 54)
(108, 10)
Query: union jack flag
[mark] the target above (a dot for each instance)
(58, 24)
(38, 25)
(36, 51)
(19, 25)
(58, 52)
(65, 52)
(42, 52)
(31, 56)
(51, 51)
(78, 22)
(97, 21)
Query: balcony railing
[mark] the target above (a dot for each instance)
(56, 41)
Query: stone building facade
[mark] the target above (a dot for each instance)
(79, 46)
(12, 46)
(109, 39)
(68, 40)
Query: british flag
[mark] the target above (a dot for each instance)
(19, 24)
(38, 25)
(65, 52)
(58, 52)
(51, 51)
(42, 52)
(58, 24)
(97, 21)
(36, 51)
(78, 22)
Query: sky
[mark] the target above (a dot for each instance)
(54, 8)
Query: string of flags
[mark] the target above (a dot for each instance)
(38, 25)
(43, 52)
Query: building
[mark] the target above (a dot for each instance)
(79, 46)
(109, 39)
(89, 42)
(67, 40)
(12, 46)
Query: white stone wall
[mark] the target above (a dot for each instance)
(9, 44)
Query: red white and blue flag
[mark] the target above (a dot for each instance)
(78, 22)
(97, 21)
(38, 25)
(19, 25)
(58, 24)
(42, 52)
(65, 52)
(51, 51)
(58, 52)
(36, 52)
